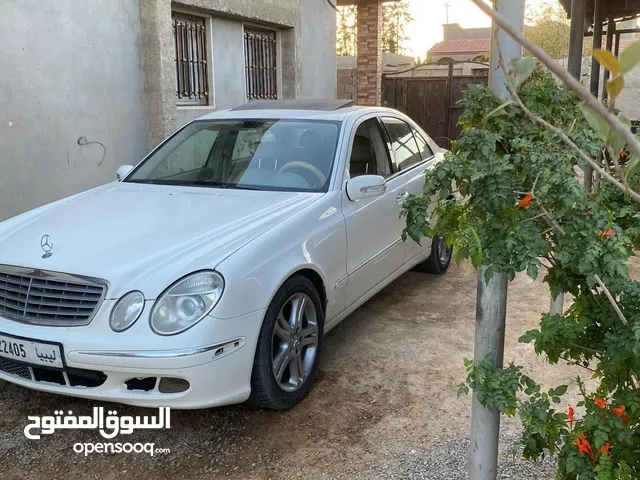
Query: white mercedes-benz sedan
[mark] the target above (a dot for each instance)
(209, 273)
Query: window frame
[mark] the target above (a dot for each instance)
(195, 16)
(392, 151)
(352, 137)
(416, 133)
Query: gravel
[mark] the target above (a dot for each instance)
(384, 404)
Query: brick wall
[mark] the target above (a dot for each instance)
(346, 83)
(369, 69)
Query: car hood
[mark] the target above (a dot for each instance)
(136, 235)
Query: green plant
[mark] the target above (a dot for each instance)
(525, 210)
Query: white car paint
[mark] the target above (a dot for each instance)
(145, 237)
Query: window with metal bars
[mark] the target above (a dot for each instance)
(260, 64)
(190, 48)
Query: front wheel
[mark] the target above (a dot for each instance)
(288, 346)
(440, 258)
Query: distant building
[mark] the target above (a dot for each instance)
(461, 44)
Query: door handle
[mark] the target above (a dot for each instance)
(402, 197)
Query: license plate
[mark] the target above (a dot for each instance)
(36, 353)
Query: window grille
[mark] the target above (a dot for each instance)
(190, 46)
(260, 64)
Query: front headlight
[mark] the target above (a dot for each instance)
(186, 302)
(126, 311)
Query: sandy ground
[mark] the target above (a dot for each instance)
(386, 390)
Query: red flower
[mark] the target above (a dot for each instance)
(588, 213)
(604, 448)
(619, 411)
(525, 202)
(623, 155)
(584, 446)
(625, 420)
(570, 417)
(600, 402)
(605, 234)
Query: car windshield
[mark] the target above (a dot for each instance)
(289, 155)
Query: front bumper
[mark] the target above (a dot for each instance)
(215, 357)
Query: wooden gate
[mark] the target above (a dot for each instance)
(432, 102)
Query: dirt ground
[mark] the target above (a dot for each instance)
(387, 386)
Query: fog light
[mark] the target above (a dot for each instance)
(173, 385)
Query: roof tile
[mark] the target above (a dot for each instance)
(462, 46)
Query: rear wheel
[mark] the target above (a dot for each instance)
(440, 258)
(289, 345)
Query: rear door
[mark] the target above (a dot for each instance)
(411, 156)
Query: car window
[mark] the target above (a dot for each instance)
(192, 154)
(403, 143)
(369, 156)
(277, 154)
(425, 149)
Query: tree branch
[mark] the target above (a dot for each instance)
(613, 121)
(612, 300)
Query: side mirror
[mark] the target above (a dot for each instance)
(366, 186)
(123, 171)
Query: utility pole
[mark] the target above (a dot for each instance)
(491, 302)
(446, 6)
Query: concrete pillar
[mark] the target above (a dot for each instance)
(159, 69)
(369, 53)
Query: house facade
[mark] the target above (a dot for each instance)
(89, 86)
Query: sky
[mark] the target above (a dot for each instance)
(430, 15)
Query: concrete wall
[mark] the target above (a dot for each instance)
(70, 69)
(318, 21)
(228, 86)
(303, 54)
(458, 57)
(453, 31)
(104, 71)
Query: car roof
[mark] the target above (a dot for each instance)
(324, 104)
(301, 109)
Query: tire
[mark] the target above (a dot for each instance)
(439, 260)
(290, 340)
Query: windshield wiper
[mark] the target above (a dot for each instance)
(198, 183)
(149, 182)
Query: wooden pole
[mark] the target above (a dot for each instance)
(611, 28)
(576, 37)
(491, 302)
(598, 18)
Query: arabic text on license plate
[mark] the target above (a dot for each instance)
(28, 351)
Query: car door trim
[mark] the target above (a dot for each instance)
(376, 256)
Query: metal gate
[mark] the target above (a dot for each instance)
(432, 102)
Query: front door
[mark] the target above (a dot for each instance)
(374, 226)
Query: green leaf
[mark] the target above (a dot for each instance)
(476, 258)
(496, 110)
(615, 141)
(615, 87)
(561, 390)
(608, 60)
(630, 57)
(521, 69)
(595, 121)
